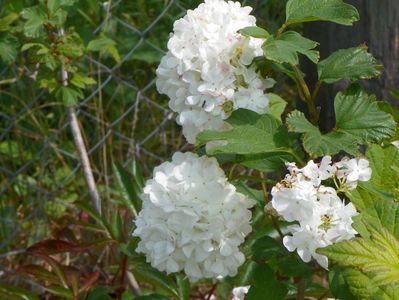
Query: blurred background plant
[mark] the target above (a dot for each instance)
(110, 51)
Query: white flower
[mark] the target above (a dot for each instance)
(323, 218)
(193, 219)
(294, 200)
(240, 292)
(206, 72)
(306, 240)
(318, 172)
(396, 144)
(354, 170)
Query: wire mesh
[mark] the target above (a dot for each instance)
(123, 118)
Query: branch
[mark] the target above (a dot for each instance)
(81, 147)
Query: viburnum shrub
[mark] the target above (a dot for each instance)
(265, 205)
(332, 203)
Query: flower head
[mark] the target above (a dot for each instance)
(323, 218)
(193, 219)
(206, 72)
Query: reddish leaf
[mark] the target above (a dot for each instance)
(88, 283)
(49, 247)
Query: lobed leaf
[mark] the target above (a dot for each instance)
(337, 11)
(359, 120)
(349, 64)
(286, 47)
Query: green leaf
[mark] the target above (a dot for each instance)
(265, 286)
(117, 227)
(316, 143)
(8, 48)
(338, 285)
(285, 48)
(6, 21)
(82, 81)
(349, 64)
(361, 286)
(126, 186)
(106, 46)
(251, 134)
(69, 96)
(359, 115)
(183, 286)
(384, 163)
(20, 293)
(299, 11)
(379, 256)
(36, 18)
(255, 32)
(359, 120)
(146, 273)
(100, 293)
(277, 105)
(366, 194)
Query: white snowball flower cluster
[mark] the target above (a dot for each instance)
(193, 219)
(206, 73)
(322, 217)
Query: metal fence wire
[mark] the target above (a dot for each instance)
(122, 118)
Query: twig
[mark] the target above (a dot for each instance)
(301, 289)
(81, 147)
(133, 283)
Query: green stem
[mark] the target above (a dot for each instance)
(281, 29)
(311, 103)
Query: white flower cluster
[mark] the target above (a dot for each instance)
(193, 219)
(206, 72)
(323, 218)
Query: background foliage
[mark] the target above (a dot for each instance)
(114, 49)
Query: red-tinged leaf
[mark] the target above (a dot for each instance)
(89, 282)
(72, 275)
(58, 269)
(49, 247)
(39, 273)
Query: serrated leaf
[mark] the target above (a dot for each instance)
(362, 286)
(316, 143)
(255, 32)
(337, 11)
(359, 120)
(358, 114)
(8, 48)
(349, 64)
(384, 163)
(251, 134)
(36, 18)
(378, 255)
(286, 47)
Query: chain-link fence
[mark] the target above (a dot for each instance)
(123, 118)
